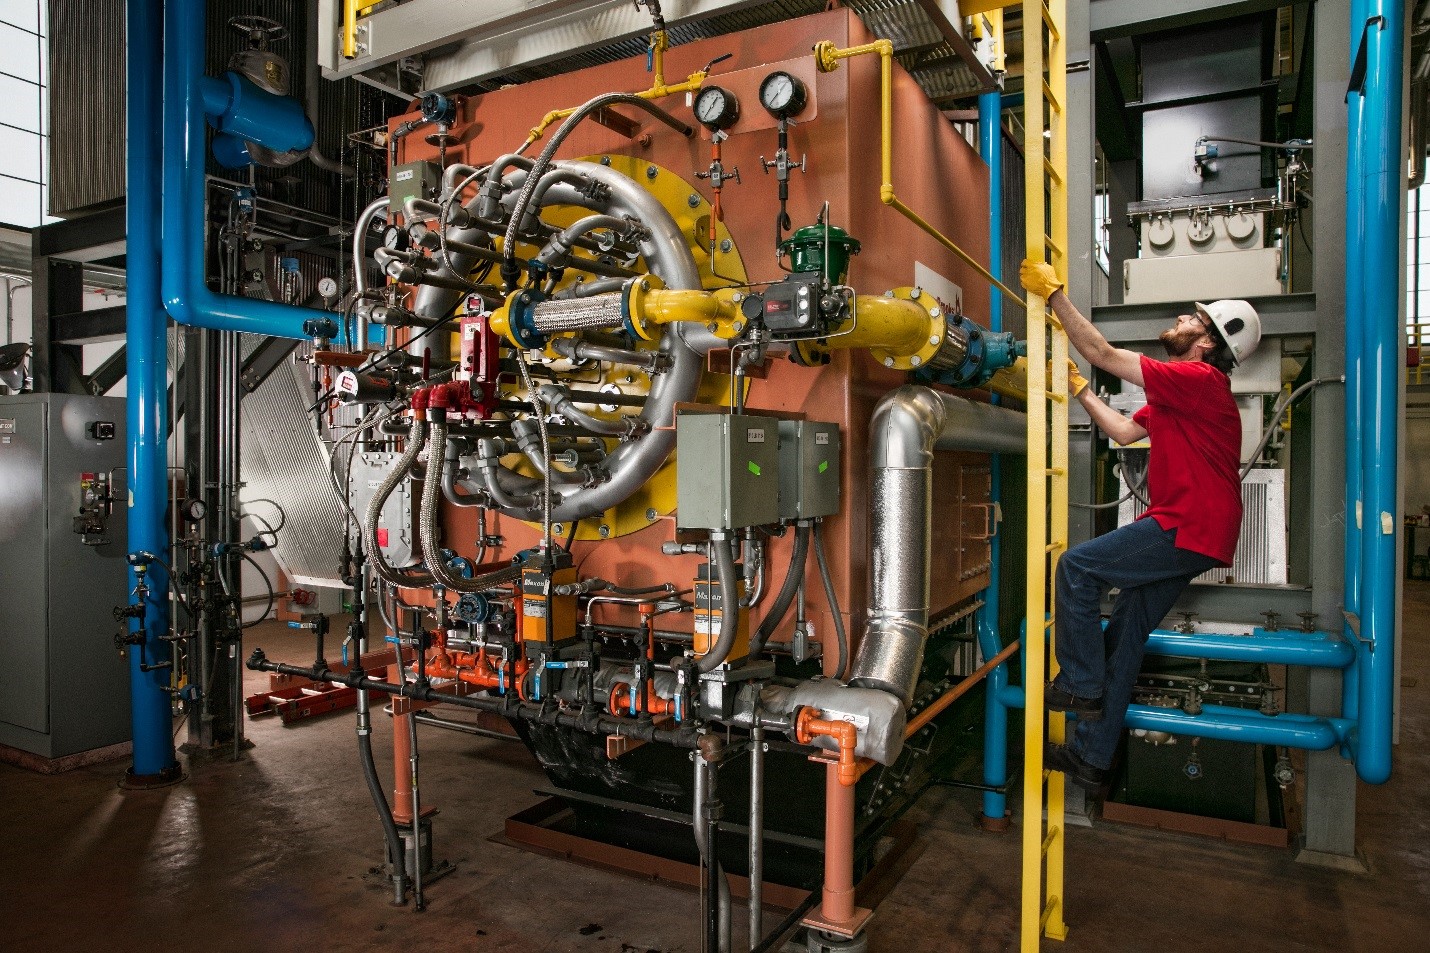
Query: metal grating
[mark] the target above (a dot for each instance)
(918, 43)
(86, 105)
(283, 460)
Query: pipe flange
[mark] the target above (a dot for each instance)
(938, 322)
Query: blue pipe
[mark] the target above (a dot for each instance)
(1354, 305)
(990, 642)
(147, 411)
(186, 297)
(1383, 184)
(1226, 723)
(1314, 649)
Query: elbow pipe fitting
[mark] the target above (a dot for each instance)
(809, 726)
(908, 425)
(879, 715)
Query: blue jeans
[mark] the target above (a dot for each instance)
(1143, 561)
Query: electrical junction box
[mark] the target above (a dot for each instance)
(809, 469)
(397, 523)
(413, 180)
(63, 688)
(727, 470)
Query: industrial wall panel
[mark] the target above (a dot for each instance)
(89, 681)
(24, 667)
(63, 689)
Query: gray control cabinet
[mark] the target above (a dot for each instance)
(63, 687)
(809, 469)
(726, 470)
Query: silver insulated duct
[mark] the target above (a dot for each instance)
(908, 426)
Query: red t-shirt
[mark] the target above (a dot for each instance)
(1194, 476)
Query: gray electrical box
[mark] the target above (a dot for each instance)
(727, 470)
(809, 469)
(420, 180)
(63, 687)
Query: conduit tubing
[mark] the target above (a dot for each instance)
(908, 425)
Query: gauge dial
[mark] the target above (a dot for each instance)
(716, 108)
(328, 288)
(395, 237)
(783, 95)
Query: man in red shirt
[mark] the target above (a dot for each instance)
(1192, 524)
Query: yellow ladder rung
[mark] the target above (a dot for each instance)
(1055, 397)
(1054, 471)
(1055, 547)
(1048, 624)
(1054, 902)
(1053, 832)
(1053, 246)
(1053, 30)
(1052, 172)
(1055, 104)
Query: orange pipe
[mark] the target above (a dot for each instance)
(808, 727)
(654, 705)
(838, 900)
(958, 691)
(401, 769)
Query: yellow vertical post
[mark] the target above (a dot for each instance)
(1045, 156)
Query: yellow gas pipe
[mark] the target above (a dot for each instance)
(658, 45)
(826, 57)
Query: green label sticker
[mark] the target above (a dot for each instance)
(823, 465)
(754, 467)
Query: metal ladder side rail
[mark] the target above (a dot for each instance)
(1045, 93)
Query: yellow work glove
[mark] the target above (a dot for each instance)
(1076, 382)
(1039, 278)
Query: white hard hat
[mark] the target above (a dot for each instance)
(1238, 324)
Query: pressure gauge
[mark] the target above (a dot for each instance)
(783, 95)
(716, 108)
(194, 510)
(395, 238)
(327, 288)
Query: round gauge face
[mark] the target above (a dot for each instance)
(716, 108)
(195, 510)
(328, 288)
(395, 238)
(783, 95)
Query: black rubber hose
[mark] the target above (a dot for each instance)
(395, 848)
(509, 269)
(785, 597)
(730, 600)
(829, 593)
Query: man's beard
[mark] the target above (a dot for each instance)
(1179, 341)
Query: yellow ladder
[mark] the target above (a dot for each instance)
(1046, 159)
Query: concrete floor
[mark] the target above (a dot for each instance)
(272, 852)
